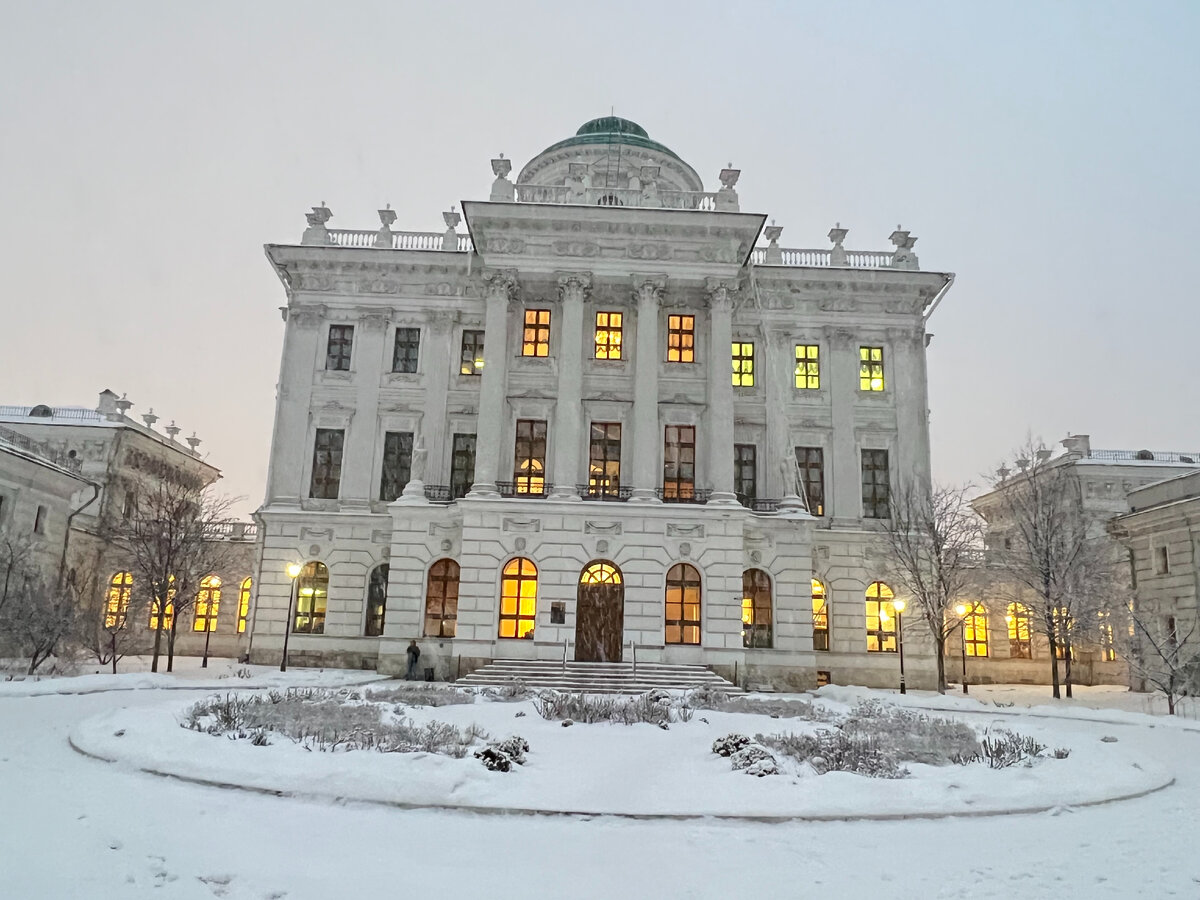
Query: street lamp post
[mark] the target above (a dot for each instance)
(899, 607)
(961, 609)
(293, 572)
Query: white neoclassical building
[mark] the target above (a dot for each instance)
(602, 418)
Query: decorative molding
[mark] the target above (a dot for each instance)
(500, 283)
(308, 533)
(609, 528)
(648, 289)
(307, 316)
(675, 529)
(532, 526)
(574, 286)
(586, 249)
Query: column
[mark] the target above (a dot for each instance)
(720, 391)
(573, 289)
(499, 287)
(647, 438)
(297, 368)
(362, 437)
(437, 360)
(843, 486)
(777, 470)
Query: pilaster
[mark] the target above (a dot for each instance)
(573, 290)
(647, 439)
(301, 341)
(845, 473)
(358, 459)
(720, 391)
(436, 362)
(500, 286)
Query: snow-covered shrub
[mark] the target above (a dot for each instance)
(494, 760)
(514, 748)
(763, 767)
(1007, 748)
(1061, 752)
(709, 698)
(420, 694)
(913, 736)
(838, 751)
(705, 697)
(553, 705)
(516, 689)
(749, 755)
(730, 744)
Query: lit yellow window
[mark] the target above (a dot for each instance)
(208, 602)
(681, 339)
(975, 631)
(820, 608)
(1019, 644)
(870, 368)
(600, 573)
(1108, 651)
(743, 364)
(243, 606)
(535, 340)
(808, 367)
(683, 605)
(518, 599)
(881, 618)
(169, 618)
(120, 588)
(608, 335)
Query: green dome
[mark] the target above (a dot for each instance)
(612, 130)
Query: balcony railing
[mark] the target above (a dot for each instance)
(400, 240)
(761, 506)
(518, 491)
(1170, 456)
(599, 196)
(40, 450)
(231, 531)
(855, 259)
(600, 492)
(683, 494)
(438, 493)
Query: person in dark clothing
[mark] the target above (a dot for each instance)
(414, 654)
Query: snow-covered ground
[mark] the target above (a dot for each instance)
(74, 827)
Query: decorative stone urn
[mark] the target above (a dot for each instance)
(774, 253)
(503, 190)
(383, 237)
(450, 238)
(837, 234)
(316, 232)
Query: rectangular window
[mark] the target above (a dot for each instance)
(811, 462)
(681, 339)
(975, 635)
(1019, 644)
(870, 368)
(406, 349)
(529, 472)
(808, 367)
(327, 463)
(608, 335)
(472, 353)
(397, 464)
(535, 341)
(820, 608)
(679, 462)
(129, 504)
(875, 484)
(604, 460)
(743, 364)
(462, 465)
(39, 521)
(341, 342)
(745, 473)
(1162, 562)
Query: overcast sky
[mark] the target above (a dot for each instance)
(1048, 153)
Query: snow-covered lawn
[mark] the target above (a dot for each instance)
(636, 769)
(74, 827)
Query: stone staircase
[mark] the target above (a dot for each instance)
(595, 677)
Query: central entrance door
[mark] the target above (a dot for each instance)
(599, 614)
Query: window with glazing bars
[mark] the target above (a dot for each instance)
(529, 472)
(870, 368)
(462, 465)
(471, 358)
(683, 605)
(397, 464)
(377, 587)
(337, 353)
(820, 608)
(1020, 645)
(327, 463)
(604, 460)
(681, 339)
(441, 599)
(975, 634)
(608, 335)
(808, 367)
(811, 462)
(535, 340)
(406, 350)
(756, 609)
(679, 462)
(881, 618)
(875, 485)
(745, 473)
(743, 364)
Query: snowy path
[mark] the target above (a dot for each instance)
(76, 828)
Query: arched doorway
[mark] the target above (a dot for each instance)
(599, 613)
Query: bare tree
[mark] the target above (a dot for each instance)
(1048, 555)
(1163, 652)
(931, 548)
(41, 616)
(169, 542)
(106, 628)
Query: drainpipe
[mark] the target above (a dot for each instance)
(62, 562)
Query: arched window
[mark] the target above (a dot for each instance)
(376, 600)
(881, 618)
(169, 619)
(600, 573)
(441, 599)
(756, 608)
(518, 599)
(120, 589)
(243, 605)
(208, 602)
(683, 605)
(820, 608)
(1020, 646)
(312, 593)
(975, 636)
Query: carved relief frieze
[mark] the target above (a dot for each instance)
(505, 245)
(307, 316)
(586, 249)
(638, 250)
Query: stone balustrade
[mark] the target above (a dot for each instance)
(401, 240)
(855, 259)
(602, 196)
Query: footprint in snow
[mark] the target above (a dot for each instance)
(218, 884)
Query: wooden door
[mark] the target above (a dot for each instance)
(599, 622)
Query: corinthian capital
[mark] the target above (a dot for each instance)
(500, 283)
(721, 292)
(648, 288)
(574, 286)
